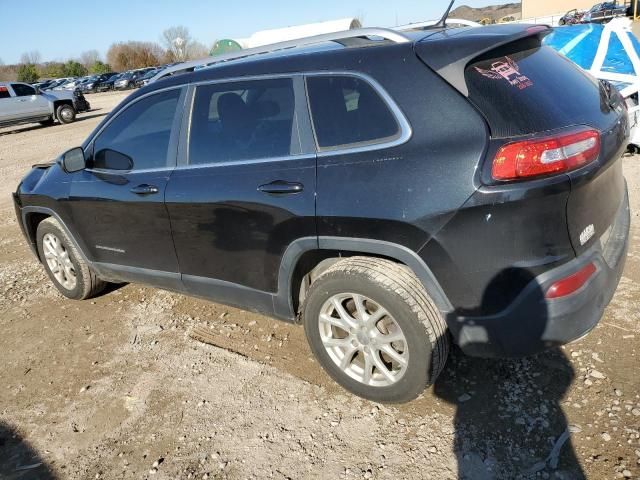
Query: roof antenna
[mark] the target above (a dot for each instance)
(442, 22)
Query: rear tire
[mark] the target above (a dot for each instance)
(63, 263)
(65, 114)
(412, 361)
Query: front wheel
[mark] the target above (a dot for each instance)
(65, 266)
(374, 329)
(65, 114)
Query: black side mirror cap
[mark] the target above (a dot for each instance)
(73, 160)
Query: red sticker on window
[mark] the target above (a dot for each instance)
(509, 71)
(3, 89)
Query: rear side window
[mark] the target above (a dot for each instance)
(243, 121)
(4, 92)
(347, 112)
(23, 90)
(526, 88)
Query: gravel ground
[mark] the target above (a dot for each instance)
(114, 387)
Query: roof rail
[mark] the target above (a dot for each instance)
(385, 33)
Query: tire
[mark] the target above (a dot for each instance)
(47, 123)
(424, 348)
(87, 284)
(65, 114)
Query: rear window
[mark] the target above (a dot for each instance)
(347, 111)
(527, 90)
(4, 92)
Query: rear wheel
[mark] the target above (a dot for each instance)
(374, 329)
(67, 270)
(65, 114)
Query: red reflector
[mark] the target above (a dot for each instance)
(570, 284)
(548, 155)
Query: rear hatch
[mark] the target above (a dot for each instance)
(526, 90)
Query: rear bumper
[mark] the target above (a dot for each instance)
(533, 323)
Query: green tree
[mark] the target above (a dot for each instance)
(27, 73)
(52, 70)
(100, 67)
(74, 69)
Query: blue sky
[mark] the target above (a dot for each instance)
(62, 30)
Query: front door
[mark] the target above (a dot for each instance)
(247, 189)
(117, 203)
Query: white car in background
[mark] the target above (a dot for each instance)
(24, 103)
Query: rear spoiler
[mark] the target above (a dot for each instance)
(448, 52)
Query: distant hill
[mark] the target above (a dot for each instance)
(492, 12)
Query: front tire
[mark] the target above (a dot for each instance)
(63, 263)
(65, 114)
(374, 329)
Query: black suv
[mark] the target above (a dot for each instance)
(390, 194)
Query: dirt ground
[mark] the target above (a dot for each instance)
(114, 387)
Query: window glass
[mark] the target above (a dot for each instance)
(23, 90)
(4, 92)
(347, 111)
(141, 132)
(243, 121)
(513, 88)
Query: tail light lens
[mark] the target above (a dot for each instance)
(548, 155)
(570, 284)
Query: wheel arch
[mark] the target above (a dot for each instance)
(311, 255)
(31, 218)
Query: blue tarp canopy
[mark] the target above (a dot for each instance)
(580, 44)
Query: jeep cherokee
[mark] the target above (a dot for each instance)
(393, 193)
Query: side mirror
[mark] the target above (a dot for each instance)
(73, 160)
(38, 92)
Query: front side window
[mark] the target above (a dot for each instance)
(141, 134)
(243, 121)
(348, 112)
(23, 90)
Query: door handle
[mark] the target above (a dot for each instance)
(22, 100)
(280, 187)
(144, 189)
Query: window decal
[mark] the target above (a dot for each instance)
(509, 71)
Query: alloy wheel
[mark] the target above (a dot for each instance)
(57, 258)
(363, 339)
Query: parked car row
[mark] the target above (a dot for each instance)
(102, 82)
(599, 13)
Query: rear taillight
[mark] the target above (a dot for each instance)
(572, 283)
(548, 155)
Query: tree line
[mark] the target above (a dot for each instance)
(176, 45)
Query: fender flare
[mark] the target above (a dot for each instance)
(47, 211)
(283, 301)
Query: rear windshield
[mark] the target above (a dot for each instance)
(525, 88)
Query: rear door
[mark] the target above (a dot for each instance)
(28, 102)
(246, 188)
(117, 203)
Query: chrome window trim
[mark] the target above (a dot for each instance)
(405, 130)
(405, 135)
(302, 156)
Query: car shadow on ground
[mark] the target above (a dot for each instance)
(18, 459)
(509, 422)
